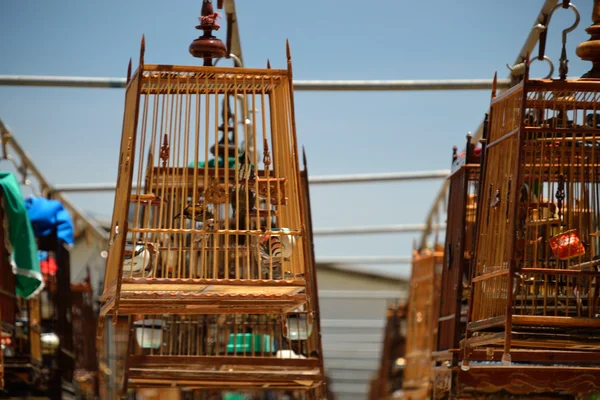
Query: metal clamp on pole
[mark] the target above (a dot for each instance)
(518, 70)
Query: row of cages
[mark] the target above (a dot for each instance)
(518, 274)
(38, 354)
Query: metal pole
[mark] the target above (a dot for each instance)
(299, 85)
(360, 294)
(315, 180)
(62, 81)
(381, 177)
(364, 260)
(369, 230)
(398, 85)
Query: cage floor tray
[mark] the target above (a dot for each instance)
(224, 372)
(205, 296)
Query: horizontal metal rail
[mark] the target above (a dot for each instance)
(299, 85)
(360, 294)
(364, 230)
(315, 180)
(363, 260)
(379, 177)
(353, 323)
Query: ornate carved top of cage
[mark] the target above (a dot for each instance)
(215, 220)
(421, 321)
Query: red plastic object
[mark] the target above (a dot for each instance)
(567, 245)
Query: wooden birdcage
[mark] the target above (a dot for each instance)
(460, 238)
(388, 378)
(195, 235)
(223, 351)
(534, 314)
(539, 211)
(421, 322)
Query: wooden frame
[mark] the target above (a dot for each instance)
(460, 237)
(170, 120)
(389, 375)
(421, 336)
(312, 289)
(459, 248)
(84, 321)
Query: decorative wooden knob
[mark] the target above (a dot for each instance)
(208, 46)
(590, 50)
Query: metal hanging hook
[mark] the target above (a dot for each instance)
(236, 59)
(9, 157)
(519, 69)
(563, 68)
(249, 113)
(29, 184)
(22, 169)
(5, 154)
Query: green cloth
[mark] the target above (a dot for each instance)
(233, 396)
(211, 163)
(21, 241)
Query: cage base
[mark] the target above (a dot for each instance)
(224, 372)
(523, 380)
(538, 332)
(206, 297)
(417, 392)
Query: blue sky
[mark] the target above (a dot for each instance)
(73, 134)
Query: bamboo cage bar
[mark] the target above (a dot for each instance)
(191, 234)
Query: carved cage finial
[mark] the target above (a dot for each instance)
(208, 46)
(590, 49)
